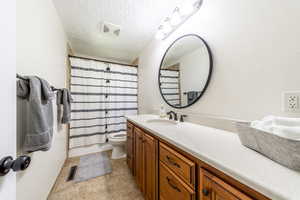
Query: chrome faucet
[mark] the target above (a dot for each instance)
(170, 115)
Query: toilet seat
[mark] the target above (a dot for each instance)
(117, 137)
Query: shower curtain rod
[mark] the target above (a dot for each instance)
(25, 79)
(103, 61)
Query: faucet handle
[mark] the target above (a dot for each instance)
(170, 114)
(175, 117)
(182, 118)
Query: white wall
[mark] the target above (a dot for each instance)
(196, 62)
(8, 94)
(41, 51)
(256, 53)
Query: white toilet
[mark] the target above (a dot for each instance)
(118, 140)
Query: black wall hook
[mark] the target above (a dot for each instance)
(7, 163)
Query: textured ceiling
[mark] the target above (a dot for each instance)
(139, 20)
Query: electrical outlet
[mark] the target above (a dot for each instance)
(291, 101)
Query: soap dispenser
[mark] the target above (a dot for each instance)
(162, 112)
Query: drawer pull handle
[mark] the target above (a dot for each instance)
(205, 192)
(171, 161)
(172, 184)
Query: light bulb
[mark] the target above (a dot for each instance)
(175, 19)
(187, 9)
(197, 4)
(159, 35)
(166, 26)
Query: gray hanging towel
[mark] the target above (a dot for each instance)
(38, 97)
(191, 96)
(64, 98)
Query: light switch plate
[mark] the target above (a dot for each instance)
(291, 101)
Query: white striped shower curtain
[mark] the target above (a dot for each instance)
(103, 94)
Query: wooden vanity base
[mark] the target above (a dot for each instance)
(165, 172)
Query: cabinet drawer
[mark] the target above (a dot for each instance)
(171, 187)
(178, 163)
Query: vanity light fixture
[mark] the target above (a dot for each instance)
(167, 28)
(178, 17)
(160, 34)
(187, 9)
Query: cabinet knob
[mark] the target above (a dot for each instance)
(205, 192)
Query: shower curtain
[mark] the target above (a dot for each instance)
(103, 94)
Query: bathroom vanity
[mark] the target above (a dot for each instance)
(185, 161)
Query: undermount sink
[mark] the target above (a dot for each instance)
(162, 121)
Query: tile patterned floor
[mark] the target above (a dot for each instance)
(119, 185)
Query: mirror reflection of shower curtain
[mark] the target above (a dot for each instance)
(103, 93)
(170, 86)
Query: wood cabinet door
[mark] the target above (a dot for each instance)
(130, 147)
(171, 187)
(139, 159)
(150, 158)
(213, 188)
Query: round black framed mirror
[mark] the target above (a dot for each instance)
(185, 71)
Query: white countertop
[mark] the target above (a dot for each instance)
(223, 150)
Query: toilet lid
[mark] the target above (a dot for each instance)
(117, 136)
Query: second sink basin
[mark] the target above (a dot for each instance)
(162, 121)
